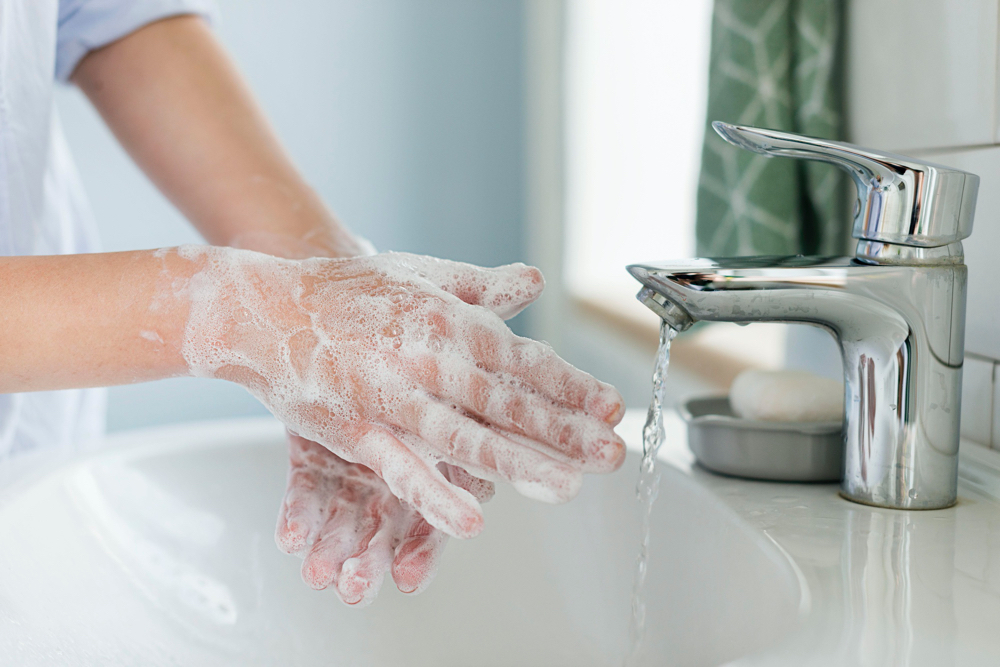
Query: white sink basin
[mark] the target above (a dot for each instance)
(160, 551)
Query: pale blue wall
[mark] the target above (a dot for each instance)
(406, 115)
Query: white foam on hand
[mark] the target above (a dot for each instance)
(399, 362)
(350, 530)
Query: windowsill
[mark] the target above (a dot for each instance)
(716, 352)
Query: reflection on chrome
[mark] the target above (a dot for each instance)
(898, 578)
(897, 310)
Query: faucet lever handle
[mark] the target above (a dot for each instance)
(900, 200)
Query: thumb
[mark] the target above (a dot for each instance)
(506, 290)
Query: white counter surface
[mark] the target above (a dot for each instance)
(876, 586)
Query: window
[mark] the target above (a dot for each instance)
(636, 88)
(636, 76)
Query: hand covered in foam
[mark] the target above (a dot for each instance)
(343, 520)
(401, 362)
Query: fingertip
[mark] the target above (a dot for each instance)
(535, 275)
(617, 412)
(291, 537)
(469, 525)
(533, 278)
(557, 484)
(317, 573)
(618, 459)
(608, 405)
(606, 455)
(354, 588)
(517, 288)
(530, 276)
(415, 566)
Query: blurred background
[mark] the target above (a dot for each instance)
(571, 134)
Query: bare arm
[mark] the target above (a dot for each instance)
(178, 105)
(90, 320)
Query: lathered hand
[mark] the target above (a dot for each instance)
(350, 529)
(400, 362)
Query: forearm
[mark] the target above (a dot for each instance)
(178, 105)
(92, 320)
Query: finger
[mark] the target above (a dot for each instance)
(537, 365)
(441, 430)
(305, 453)
(418, 555)
(506, 290)
(354, 550)
(481, 489)
(302, 511)
(337, 542)
(587, 441)
(418, 482)
(361, 575)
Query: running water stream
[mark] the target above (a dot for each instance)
(647, 490)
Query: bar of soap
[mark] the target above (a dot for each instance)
(786, 396)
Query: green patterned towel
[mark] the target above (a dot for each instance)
(774, 64)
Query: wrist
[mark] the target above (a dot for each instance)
(242, 310)
(324, 236)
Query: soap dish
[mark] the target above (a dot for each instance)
(782, 451)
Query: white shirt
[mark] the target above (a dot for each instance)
(43, 210)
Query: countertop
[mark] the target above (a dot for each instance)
(876, 586)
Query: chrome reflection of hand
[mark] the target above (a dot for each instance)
(349, 528)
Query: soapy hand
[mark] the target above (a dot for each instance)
(343, 520)
(400, 362)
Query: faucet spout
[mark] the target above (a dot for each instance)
(900, 329)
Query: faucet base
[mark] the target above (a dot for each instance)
(864, 501)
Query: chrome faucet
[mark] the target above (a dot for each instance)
(897, 310)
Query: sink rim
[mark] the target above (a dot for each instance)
(788, 516)
(173, 441)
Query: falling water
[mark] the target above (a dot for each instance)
(647, 489)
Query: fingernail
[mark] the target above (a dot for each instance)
(607, 404)
(317, 574)
(617, 412)
(470, 525)
(535, 275)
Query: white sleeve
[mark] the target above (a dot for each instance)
(85, 25)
